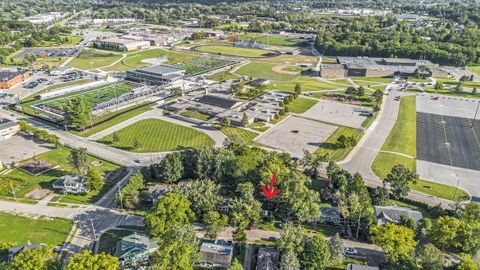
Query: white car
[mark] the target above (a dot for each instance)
(350, 251)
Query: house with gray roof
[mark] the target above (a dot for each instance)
(393, 214)
(8, 129)
(135, 247)
(218, 254)
(71, 184)
(15, 250)
(268, 259)
(330, 215)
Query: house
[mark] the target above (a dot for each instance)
(121, 44)
(156, 192)
(384, 214)
(218, 254)
(15, 250)
(71, 184)
(330, 215)
(8, 129)
(9, 79)
(352, 266)
(268, 259)
(135, 247)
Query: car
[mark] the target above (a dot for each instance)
(350, 251)
(295, 131)
(50, 83)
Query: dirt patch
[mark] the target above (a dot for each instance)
(38, 194)
(279, 69)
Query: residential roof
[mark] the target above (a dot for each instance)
(5, 123)
(6, 76)
(219, 101)
(268, 259)
(69, 180)
(331, 212)
(216, 253)
(133, 246)
(394, 213)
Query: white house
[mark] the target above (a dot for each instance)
(71, 184)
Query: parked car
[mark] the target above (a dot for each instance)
(350, 251)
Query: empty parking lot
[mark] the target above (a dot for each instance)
(296, 134)
(337, 113)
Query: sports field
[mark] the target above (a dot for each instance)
(264, 71)
(280, 41)
(202, 65)
(93, 59)
(236, 51)
(156, 135)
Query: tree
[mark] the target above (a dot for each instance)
(214, 223)
(137, 144)
(292, 239)
(289, 261)
(77, 112)
(204, 195)
(466, 263)
(430, 258)
(177, 249)
(399, 178)
(336, 249)
(171, 211)
(439, 86)
(422, 71)
(244, 119)
(396, 241)
(346, 142)
(78, 159)
(360, 91)
(225, 122)
(312, 162)
(474, 91)
(129, 195)
(115, 138)
(380, 195)
(85, 260)
(316, 254)
(236, 265)
(170, 168)
(444, 232)
(41, 258)
(94, 180)
(298, 89)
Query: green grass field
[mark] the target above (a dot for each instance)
(365, 81)
(73, 40)
(307, 84)
(475, 69)
(263, 71)
(58, 157)
(222, 76)
(196, 115)
(279, 41)
(301, 105)
(332, 149)
(329, 60)
(403, 137)
(239, 134)
(291, 59)
(235, 51)
(202, 65)
(157, 135)
(93, 59)
(20, 230)
(53, 87)
(136, 59)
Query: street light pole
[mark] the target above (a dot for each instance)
(475, 117)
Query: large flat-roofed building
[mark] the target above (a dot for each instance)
(8, 129)
(218, 254)
(121, 44)
(157, 75)
(377, 67)
(9, 79)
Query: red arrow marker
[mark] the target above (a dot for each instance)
(270, 193)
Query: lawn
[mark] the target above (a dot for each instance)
(73, 40)
(21, 230)
(332, 149)
(279, 41)
(372, 80)
(301, 105)
(93, 59)
(235, 51)
(329, 60)
(475, 69)
(222, 76)
(25, 183)
(202, 65)
(402, 138)
(114, 118)
(196, 115)
(239, 134)
(156, 135)
(263, 71)
(307, 84)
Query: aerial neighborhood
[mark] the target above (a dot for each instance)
(239, 135)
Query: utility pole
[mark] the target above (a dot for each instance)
(475, 117)
(93, 228)
(120, 195)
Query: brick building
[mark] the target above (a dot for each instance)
(9, 79)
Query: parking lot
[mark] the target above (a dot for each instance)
(47, 52)
(19, 148)
(295, 134)
(337, 113)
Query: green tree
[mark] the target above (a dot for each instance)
(129, 195)
(396, 241)
(225, 122)
(85, 260)
(236, 265)
(444, 232)
(137, 144)
(439, 86)
(77, 113)
(244, 119)
(292, 239)
(289, 261)
(430, 258)
(466, 263)
(115, 138)
(204, 195)
(171, 211)
(214, 223)
(42, 258)
(178, 249)
(170, 169)
(423, 71)
(399, 178)
(94, 180)
(312, 162)
(78, 159)
(298, 89)
(316, 254)
(336, 249)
